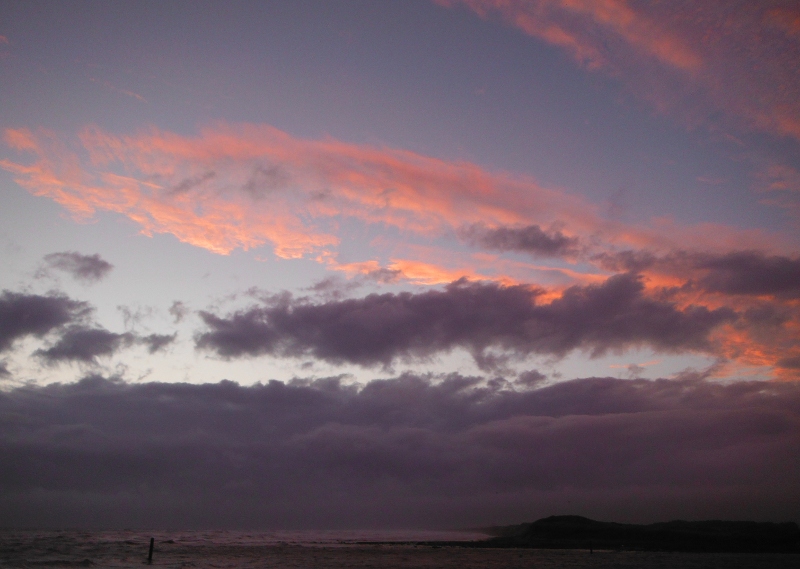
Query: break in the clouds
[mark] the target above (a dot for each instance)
(478, 317)
(531, 239)
(409, 451)
(85, 268)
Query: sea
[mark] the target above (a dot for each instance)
(331, 549)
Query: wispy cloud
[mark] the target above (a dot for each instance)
(114, 89)
(86, 268)
(692, 58)
(210, 191)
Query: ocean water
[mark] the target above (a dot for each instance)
(330, 549)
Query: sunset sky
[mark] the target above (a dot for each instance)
(459, 262)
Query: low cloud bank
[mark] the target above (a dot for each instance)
(403, 452)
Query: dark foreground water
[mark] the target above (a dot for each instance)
(330, 549)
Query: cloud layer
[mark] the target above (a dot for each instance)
(396, 453)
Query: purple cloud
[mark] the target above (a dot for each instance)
(736, 273)
(29, 314)
(751, 273)
(84, 344)
(178, 310)
(157, 342)
(67, 321)
(86, 268)
(378, 329)
(404, 452)
(531, 239)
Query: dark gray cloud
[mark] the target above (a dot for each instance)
(67, 325)
(178, 310)
(190, 183)
(265, 179)
(84, 344)
(737, 273)
(157, 342)
(531, 239)
(751, 273)
(4, 369)
(378, 329)
(530, 378)
(86, 268)
(789, 362)
(402, 452)
(30, 314)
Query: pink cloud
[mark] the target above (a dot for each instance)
(244, 186)
(564, 23)
(111, 87)
(690, 58)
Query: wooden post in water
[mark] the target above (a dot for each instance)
(150, 555)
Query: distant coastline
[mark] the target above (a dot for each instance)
(577, 532)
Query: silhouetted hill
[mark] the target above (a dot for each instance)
(576, 532)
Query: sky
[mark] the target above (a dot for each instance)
(420, 263)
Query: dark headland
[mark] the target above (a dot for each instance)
(576, 532)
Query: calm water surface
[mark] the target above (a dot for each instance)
(329, 549)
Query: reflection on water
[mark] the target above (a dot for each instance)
(330, 549)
